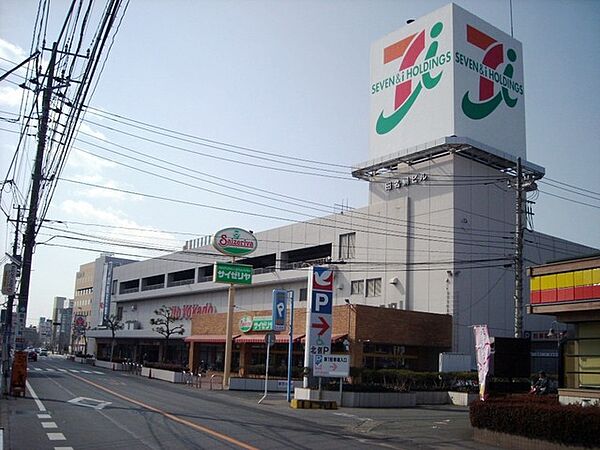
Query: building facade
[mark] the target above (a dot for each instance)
(438, 235)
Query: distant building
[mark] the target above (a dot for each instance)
(45, 332)
(91, 299)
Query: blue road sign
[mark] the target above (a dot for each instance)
(279, 309)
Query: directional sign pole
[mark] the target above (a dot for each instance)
(229, 334)
(290, 348)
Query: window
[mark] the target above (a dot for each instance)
(120, 312)
(347, 242)
(303, 294)
(357, 287)
(374, 287)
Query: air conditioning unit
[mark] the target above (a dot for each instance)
(133, 325)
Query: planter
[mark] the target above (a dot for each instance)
(511, 441)
(462, 398)
(160, 374)
(256, 384)
(109, 365)
(432, 397)
(360, 399)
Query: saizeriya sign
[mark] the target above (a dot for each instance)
(446, 74)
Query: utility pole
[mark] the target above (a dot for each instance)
(519, 252)
(36, 181)
(7, 339)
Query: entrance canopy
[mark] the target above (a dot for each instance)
(209, 338)
(259, 338)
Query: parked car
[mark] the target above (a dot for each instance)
(32, 355)
(43, 352)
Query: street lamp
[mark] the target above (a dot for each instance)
(554, 331)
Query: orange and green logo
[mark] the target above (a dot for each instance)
(490, 77)
(412, 76)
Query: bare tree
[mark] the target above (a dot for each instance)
(164, 324)
(114, 324)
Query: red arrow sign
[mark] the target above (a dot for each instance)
(324, 326)
(333, 366)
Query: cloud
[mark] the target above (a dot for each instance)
(10, 96)
(85, 128)
(126, 229)
(11, 52)
(87, 163)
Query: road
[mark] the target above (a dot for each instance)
(74, 406)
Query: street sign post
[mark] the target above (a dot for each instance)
(319, 318)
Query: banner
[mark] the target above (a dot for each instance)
(483, 351)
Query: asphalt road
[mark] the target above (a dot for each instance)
(74, 406)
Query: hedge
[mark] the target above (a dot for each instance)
(539, 417)
(407, 380)
(166, 366)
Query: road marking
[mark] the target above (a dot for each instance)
(73, 370)
(39, 404)
(86, 371)
(44, 416)
(62, 370)
(50, 370)
(99, 373)
(89, 402)
(63, 448)
(37, 368)
(56, 436)
(49, 425)
(170, 416)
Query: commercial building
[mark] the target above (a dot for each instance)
(447, 169)
(570, 291)
(91, 300)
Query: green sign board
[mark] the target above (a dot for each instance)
(232, 273)
(262, 323)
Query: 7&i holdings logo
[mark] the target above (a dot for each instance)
(413, 77)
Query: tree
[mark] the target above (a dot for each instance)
(164, 324)
(114, 324)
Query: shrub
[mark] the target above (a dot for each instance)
(406, 380)
(538, 417)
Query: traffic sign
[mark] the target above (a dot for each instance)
(331, 366)
(270, 338)
(279, 309)
(319, 321)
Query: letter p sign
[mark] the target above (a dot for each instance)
(322, 302)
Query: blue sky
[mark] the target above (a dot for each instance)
(289, 78)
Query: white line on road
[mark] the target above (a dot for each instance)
(86, 371)
(50, 370)
(63, 448)
(56, 436)
(44, 416)
(62, 370)
(39, 404)
(99, 373)
(49, 425)
(73, 370)
(37, 368)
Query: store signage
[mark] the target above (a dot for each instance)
(279, 309)
(446, 74)
(262, 323)
(235, 242)
(9, 279)
(186, 312)
(483, 350)
(245, 324)
(406, 181)
(232, 273)
(331, 366)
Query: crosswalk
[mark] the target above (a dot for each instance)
(49, 369)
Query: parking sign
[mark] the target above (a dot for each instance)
(279, 309)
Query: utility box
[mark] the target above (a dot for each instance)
(454, 362)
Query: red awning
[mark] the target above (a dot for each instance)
(334, 338)
(208, 338)
(259, 338)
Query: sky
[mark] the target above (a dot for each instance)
(273, 78)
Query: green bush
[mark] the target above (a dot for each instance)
(538, 417)
(258, 370)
